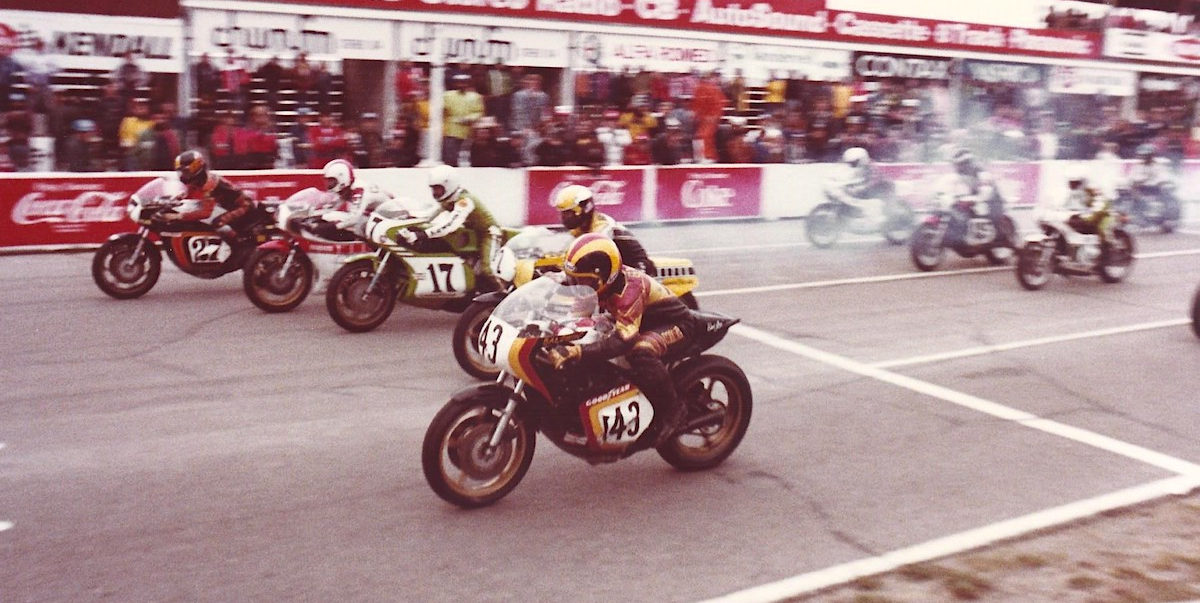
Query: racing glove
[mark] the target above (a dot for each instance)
(560, 356)
(227, 232)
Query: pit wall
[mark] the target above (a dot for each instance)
(48, 211)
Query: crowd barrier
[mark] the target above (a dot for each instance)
(47, 211)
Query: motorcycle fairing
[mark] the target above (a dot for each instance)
(198, 253)
(980, 231)
(616, 418)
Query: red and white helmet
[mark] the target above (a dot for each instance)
(339, 175)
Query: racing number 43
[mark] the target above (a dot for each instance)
(615, 425)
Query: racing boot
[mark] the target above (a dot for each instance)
(651, 376)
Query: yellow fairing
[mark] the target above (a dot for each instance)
(677, 274)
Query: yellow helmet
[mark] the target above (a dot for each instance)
(575, 205)
(593, 260)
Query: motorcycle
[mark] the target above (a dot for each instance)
(827, 221)
(480, 444)
(436, 274)
(1150, 206)
(1061, 249)
(282, 272)
(968, 228)
(128, 265)
(534, 251)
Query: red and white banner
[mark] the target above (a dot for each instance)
(919, 183)
(694, 192)
(1151, 46)
(76, 41)
(617, 192)
(73, 210)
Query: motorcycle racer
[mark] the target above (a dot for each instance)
(354, 195)
(648, 321)
(577, 209)
(970, 180)
(1089, 208)
(858, 187)
(1149, 178)
(213, 191)
(459, 211)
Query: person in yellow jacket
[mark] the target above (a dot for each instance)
(461, 107)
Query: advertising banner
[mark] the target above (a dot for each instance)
(695, 192)
(1086, 80)
(992, 72)
(759, 62)
(97, 42)
(263, 35)
(81, 210)
(669, 55)
(879, 65)
(1151, 46)
(452, 43)
(617, 192)
(919, 183)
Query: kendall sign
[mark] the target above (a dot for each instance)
(97, 42)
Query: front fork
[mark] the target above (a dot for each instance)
(378, 272)
(138, 251)
(509, 410)
(291, 259)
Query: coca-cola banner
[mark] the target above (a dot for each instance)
(74, 210)
(618, 192)
(692, 192)
(918, 184)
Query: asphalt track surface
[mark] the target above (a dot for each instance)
(187, 446)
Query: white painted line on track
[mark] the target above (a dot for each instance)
(885, 278)
(962, 541)
(1002, 347)
(6, 525)
(1020, 417)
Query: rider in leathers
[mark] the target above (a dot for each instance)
(576, 206)
(460, 211)
(1089, 209)
(649, 320)
(971, 180)
(858, 187)
(354, 195)
(240, 210)
(1150, 177)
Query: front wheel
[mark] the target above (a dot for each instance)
(351, 301)
(1117, 261)
(926, 249)
(713, 387)
(123, 273)
(1033, 272)
(460, 464)
(899, 225)
(272, 288)
(466, 342)
(823, 226)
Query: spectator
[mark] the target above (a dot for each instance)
(208, 78)
(737, 148)
(530, 104)
(19, 123)
(614, 137)
(462, 106)
(671, 147)
(553, 151)
(158, 145)
(776, 92)
(620, 88)
(254, 144)
(82, 150)
(500, 92)
(130, 133)
(220, 149)
(9, 68)
(638, 151)
(769, 148)
(370, 132)
(110, 111)
(402, 145)
(736, 91)
(708, 105)
(271, 74)
(129, 77)
(303, 79)
(299, 132)
(328, 141)
(233, 82)
(322, 81)
(39, 70)
(588, 150)
(486, 151)
(521, 152)
(407, 80)
(638, 121)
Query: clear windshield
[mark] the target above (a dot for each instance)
(312, 200)
(538, 242)
(542, 306)
(160, 189)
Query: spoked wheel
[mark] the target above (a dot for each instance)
(1117, 261)
(1033, 272)
(715, 387)
(466, 342)
(121, 273)
(461, 466)
(351, 301)
(270, 286)
(823, 226)
(925, 250)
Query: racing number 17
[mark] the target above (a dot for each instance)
(446, 270)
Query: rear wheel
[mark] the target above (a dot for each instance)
(351, 301)
(710, 386)
(123, 275)
(926, 251)
(1032, 271)
(899, 225)
(466, 342)
(1117, 260)
(272, 288)
(823, 226)
(997, 256)
(460, 465)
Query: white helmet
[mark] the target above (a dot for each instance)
(446, 177)
(1076, 179)
(339, 175)
(856, 157)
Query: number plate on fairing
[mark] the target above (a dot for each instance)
(616, 418)
(208, 250)
(439, 276)
(980, 231)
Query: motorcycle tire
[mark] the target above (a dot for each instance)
(823, 226)
(925, 253)
(1117, 262)
(349, 303)
(1032, 272)
(455, 457)
(709, 385)
(118, 275)
(1196, 312)
(466, 342)
(271, 291)
(998, 256)
(899, 225)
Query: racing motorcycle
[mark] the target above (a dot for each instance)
(282, 272)
(1148, 206)
(480, 444)
(534, 251)
(128, 265)
(827, 221)
(437, 274)
(966, 227)
(1061, 249)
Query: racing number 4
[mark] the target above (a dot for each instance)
(615, 427)
(446, 270)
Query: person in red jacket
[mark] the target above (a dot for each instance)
(708, 104)
(328, 141)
